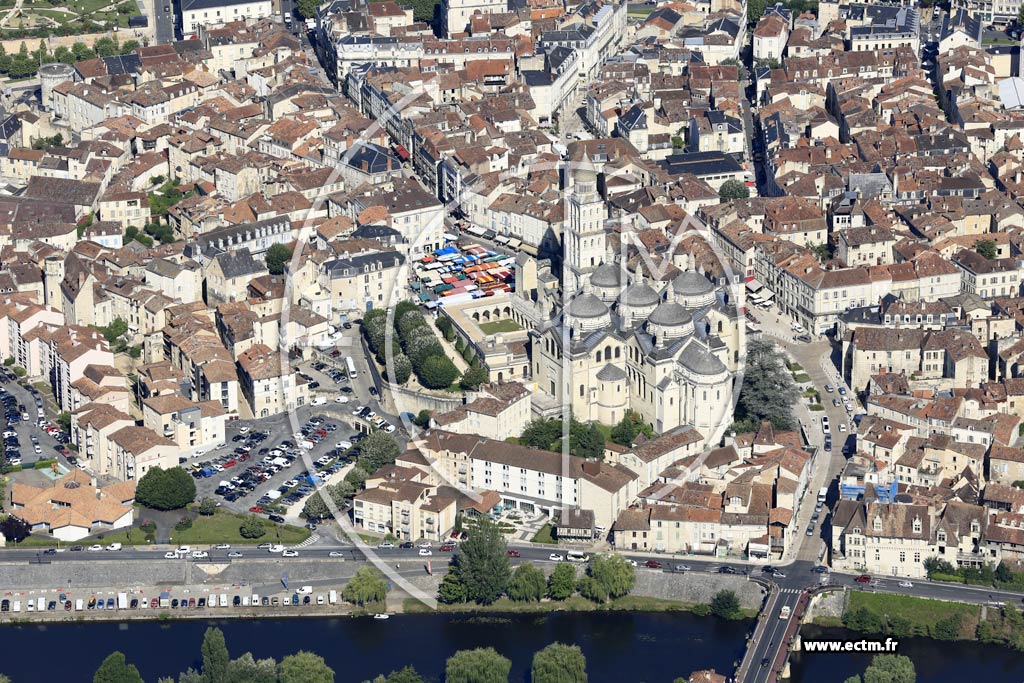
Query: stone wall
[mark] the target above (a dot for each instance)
(697, 587)
(830, 604)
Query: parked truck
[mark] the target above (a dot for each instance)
(332, 597)
(122, 601)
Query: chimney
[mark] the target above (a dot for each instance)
(591, 467)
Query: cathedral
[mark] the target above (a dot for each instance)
(610, 340)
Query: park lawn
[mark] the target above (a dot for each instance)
(56, 15)
(500, 326)
(223, 526)
(921, 613)
(544, 535)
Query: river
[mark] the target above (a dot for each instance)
(935, 661)
(624, 647)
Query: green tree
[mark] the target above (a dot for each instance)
(82, 51)
(562, 581)
(558, 663)
(890, 669)
(631, 425)
(437, 372)
(473, 378)
(987, 248)
(252, 527)
(365, 587)
(376, 450)
(207, 507)
(170, 489)
(541, 433)
(527, 583)
(768, 391)
(948, 628)
(14, 529)
(726, 605)
(613, 574)
(822, 251)
(64, 422)
(277, 257)
(307, 8)
(755, 10)
(215, 656)
(585, 440)
(733, 189)
(356, 477)
(5, 60)
(116, 669)
(106, 47)
(451, 591)
(315, 507)
(404, 675)
(400, 369)
(482, 665)
(482, 563)
(247, 669)
(304, 667)
(422, 419)
(1020, 16)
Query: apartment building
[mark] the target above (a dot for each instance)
(269, 385)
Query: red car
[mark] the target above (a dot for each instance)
(652, 564)
(154, 603)
(513, 553)
(256, 508)
(231, 463)
(863, 578)
(447, 547)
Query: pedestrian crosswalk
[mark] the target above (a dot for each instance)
(796, 591)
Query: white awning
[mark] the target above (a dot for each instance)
(753, 285)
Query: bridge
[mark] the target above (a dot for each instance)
(767, 656)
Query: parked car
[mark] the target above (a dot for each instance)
(652, 564)
(863, 578)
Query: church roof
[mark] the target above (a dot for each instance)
(691, 283)
(670, 314)
(587, 305)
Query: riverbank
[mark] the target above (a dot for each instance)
(903, 616)
(576, 603)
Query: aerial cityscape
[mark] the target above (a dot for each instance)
(486, 341)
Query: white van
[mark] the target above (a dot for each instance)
(16, 607)
(41, 604)
(332, 597)
(577, 556)
(79, 605)
(212, 601)
(255, 600)
(223, 599)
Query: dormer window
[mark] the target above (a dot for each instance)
(975, 527)
(917, 525)
(877, 526)
(941, 537)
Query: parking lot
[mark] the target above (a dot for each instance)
(25, 426)
(262, 471)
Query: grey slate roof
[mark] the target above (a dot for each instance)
(692, 283)
(587, 305)
(700, 361)
(670, 314)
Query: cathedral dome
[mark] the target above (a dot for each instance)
(670, 314)
(693, 290)
(639, 295)
(587, 305)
